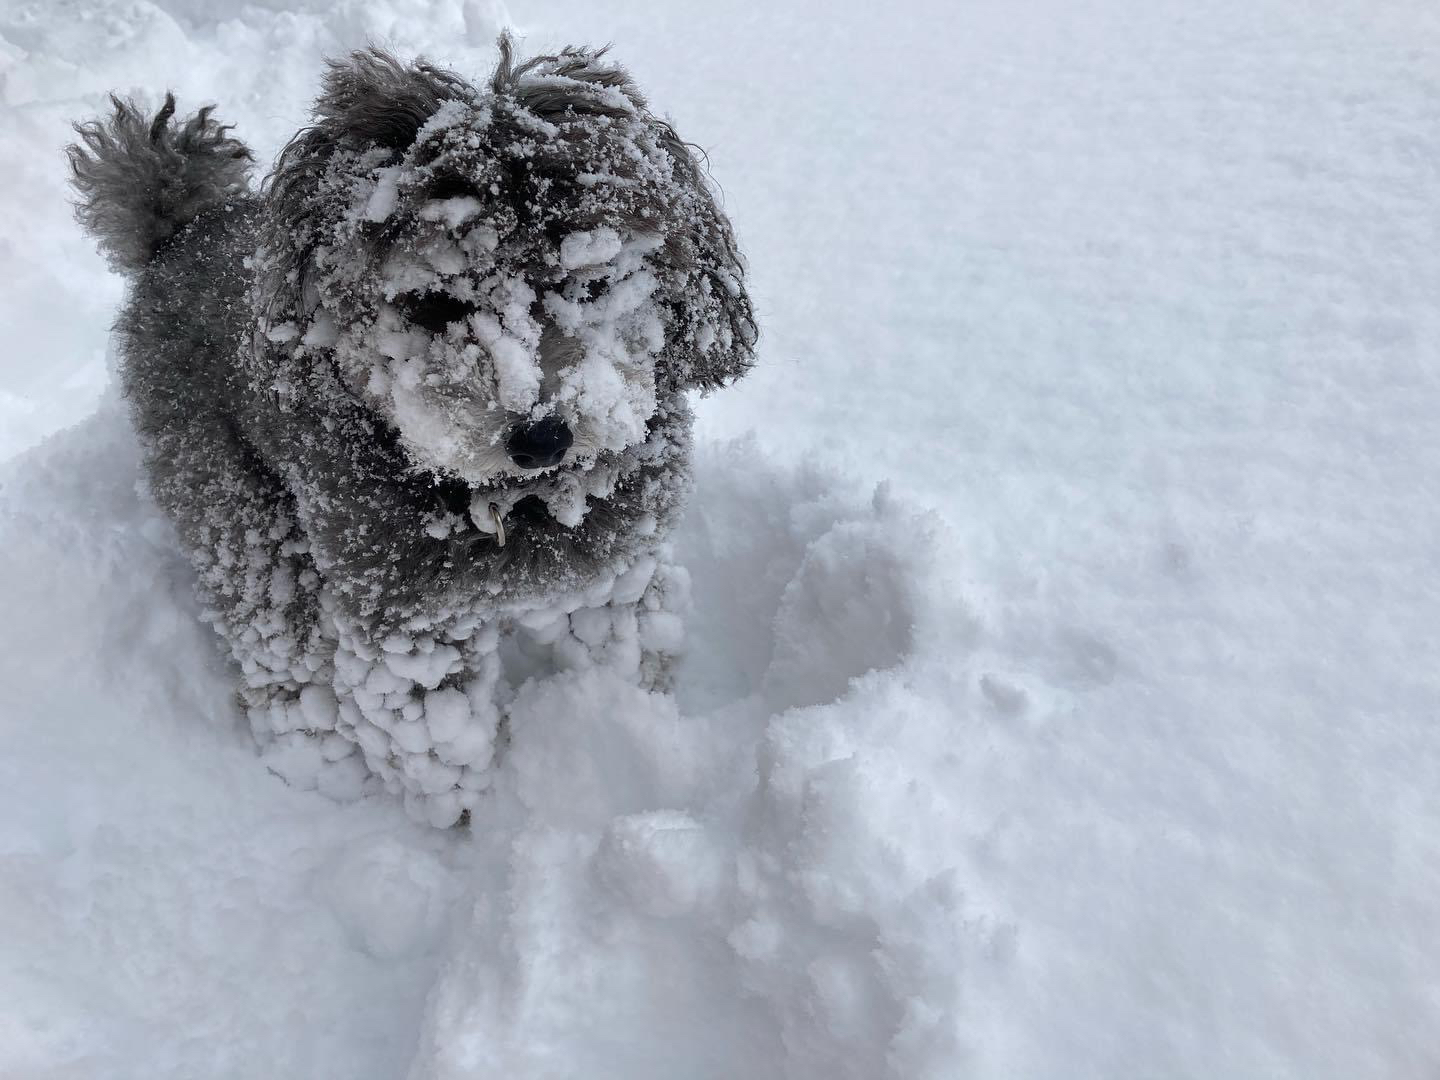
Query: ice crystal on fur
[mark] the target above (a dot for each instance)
(328, 377)
(545, 247)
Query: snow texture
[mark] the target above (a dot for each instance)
(1060, 693)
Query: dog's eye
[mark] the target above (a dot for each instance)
(594, 290)
(434, 311)
(453, 187)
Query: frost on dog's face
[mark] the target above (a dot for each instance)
(472, 324)
(516, 290)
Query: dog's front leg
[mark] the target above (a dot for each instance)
(634, 629)
(422, 706)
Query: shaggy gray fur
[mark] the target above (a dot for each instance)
(296, 495)
(142, 181)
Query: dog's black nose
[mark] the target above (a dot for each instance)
(540, 444)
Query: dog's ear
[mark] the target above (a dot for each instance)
(369, 100)
(718, 331)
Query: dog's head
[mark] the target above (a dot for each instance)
(511, 278)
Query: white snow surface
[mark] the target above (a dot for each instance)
(1061, 691)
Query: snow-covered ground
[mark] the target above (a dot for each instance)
(1063, 687)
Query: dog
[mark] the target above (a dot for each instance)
(417, 406)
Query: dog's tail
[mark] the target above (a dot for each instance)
(141, 180)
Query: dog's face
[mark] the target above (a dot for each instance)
(497, 335)
(510, 279)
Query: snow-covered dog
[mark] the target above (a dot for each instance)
(419, 404)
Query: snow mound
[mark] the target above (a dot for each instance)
(754, 874)
(173, 903)
(757, 886)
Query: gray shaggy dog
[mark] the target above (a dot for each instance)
(417, 405)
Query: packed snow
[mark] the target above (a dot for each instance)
(1059, 694)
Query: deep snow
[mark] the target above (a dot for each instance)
(1097, 741)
